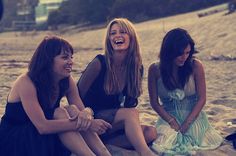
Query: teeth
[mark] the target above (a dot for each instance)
(119, 41)
(69, 68)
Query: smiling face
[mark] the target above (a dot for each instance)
(119, 38)
(62, 65)
(180, 60)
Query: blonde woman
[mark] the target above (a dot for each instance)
(111, 85)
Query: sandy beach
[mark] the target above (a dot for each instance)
(214, 35)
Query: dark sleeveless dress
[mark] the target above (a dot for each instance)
(98, 100)
(19, 137)
(106, 106)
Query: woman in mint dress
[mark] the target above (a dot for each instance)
(177, 92)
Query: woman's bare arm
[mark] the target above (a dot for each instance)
(25, 90)
(199, 77)
(153, 76)
(89, 76)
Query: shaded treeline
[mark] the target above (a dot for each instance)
(100, 11)
(88, 12)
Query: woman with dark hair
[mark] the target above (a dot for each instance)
(34, 124)
(177, 92)
(111, 85)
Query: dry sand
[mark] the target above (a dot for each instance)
(215, 37)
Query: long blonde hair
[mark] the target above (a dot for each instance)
(133, 67)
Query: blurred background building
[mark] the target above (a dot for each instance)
(27, 14)
(44, 8)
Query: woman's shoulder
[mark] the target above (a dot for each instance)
(155, 65)
(198, 68)
(22, 84)
(154, 69)
(23, 78)
(100, 57)
(94, 67)
(96, 63)
(197, 61)
(197, 64)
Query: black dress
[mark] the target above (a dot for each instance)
(19, 137)
(99, 100)
(106, 106)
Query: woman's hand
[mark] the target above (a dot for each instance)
(174, 124)
(83, 118)
(83, 121)
(185, 126)
(89, 112)
(99, 126)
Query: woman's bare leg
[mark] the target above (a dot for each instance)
(133, 130)
(71, 139)
(90, 138)
(94, 142)
(121, 139)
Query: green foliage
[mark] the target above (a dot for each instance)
(83, 11)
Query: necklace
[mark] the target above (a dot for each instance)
(120, 78)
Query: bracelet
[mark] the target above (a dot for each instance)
(171, 119)
(89, 110)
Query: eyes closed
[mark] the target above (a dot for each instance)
(114, 32)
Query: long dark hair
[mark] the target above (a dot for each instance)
(40, 68)
(173, 45)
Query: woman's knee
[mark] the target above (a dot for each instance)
(128, 113)
(60, 113)
(150, 133)
(72, 110)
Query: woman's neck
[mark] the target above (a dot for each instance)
(119, 60)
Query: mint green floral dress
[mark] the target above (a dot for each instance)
(179, 103)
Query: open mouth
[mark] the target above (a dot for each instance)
(68, 69)
(120, 41)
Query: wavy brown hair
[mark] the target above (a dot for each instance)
(40, 68)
